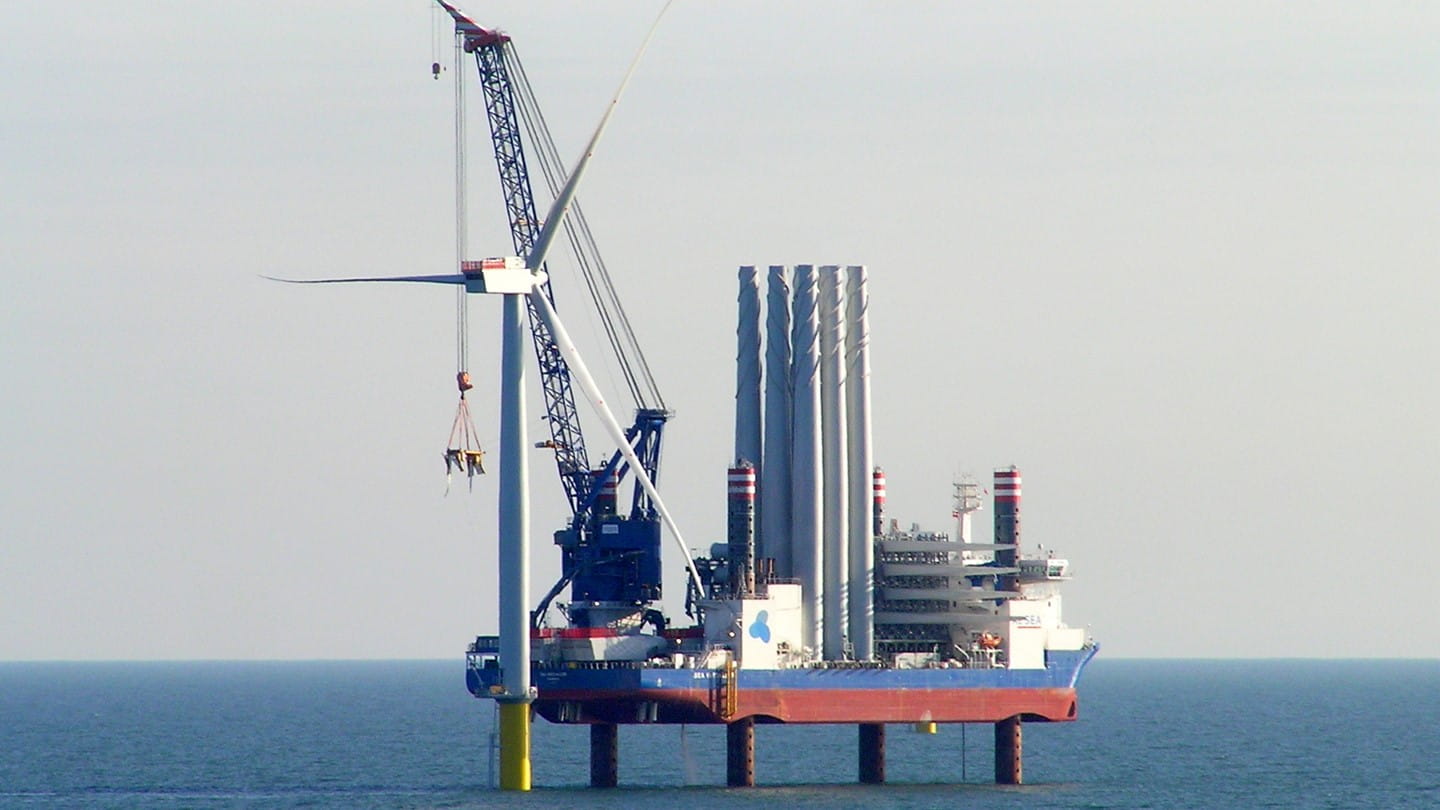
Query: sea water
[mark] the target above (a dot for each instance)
(1276, 733)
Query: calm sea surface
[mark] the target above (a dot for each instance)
(406, 734)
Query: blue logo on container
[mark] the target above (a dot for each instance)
(758, 628)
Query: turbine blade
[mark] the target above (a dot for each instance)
(581, 375)
(447, 279)
(556, 215)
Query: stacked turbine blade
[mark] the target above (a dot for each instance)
(807, 548)
(815, 507)
(775, 484)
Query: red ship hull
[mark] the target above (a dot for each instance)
(973, 705)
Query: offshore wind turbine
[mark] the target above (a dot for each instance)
(513, 278)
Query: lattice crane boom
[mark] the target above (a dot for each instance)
(508, 103)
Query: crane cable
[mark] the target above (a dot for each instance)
(596, 275)
(597, 279)
(462, 326)
(463, 452)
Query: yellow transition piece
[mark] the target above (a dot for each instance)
(515, 746)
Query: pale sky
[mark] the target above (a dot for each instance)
(1176, 262)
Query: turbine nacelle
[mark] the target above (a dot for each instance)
(505, 275)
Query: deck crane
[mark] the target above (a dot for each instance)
(619, 575)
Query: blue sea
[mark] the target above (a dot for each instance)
(1275, 733)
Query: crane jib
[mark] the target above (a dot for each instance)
(508, 101)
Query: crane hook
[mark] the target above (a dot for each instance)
(435, 70)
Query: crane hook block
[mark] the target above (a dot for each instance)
(462, 380)
(435, 70)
